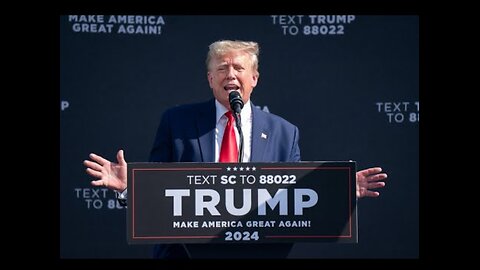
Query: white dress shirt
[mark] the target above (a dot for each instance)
(246, 119)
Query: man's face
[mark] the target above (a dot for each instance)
(232, 71)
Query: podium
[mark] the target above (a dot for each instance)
(241, 210)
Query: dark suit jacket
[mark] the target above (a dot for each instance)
(187, 134)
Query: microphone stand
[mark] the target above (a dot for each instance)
(238, 123)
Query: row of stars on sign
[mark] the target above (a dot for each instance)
(241, 168)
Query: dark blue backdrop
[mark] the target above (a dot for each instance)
(353, 91)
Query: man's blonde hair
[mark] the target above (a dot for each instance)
(221, 47)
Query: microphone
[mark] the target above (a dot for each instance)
(236, 102)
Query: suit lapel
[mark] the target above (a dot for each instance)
(259, 135)
(206, 131)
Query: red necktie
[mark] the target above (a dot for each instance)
(229, 150)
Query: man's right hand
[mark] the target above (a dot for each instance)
(110, 175)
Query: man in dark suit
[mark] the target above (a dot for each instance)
(194, 133)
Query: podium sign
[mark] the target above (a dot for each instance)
(242, 202)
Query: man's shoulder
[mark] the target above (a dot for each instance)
(271, 118)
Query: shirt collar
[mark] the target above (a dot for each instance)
(221, 110)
